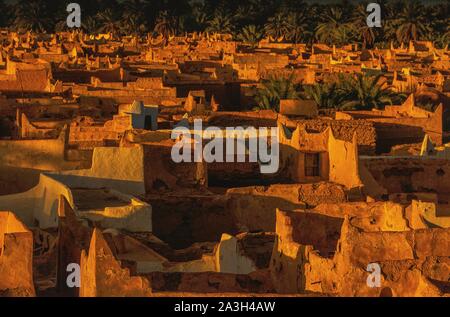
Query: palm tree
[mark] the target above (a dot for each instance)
(133, 17)
(200, 16)
(277, 26)
(298, 27)
(364, 92)
(90, 24)
(334, 27)
(166, 25)
(131, 24)
(220, 23)
(4, 16)
(108, 21)
(326, 96)
(246, 14)
(411, 23)
(251, 35)
(274, 89)
(438, 16)
(33, 15)
(365, 34)
(444, 39)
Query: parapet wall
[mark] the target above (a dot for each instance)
(410, 174)
(366, 135)
(119, 168)
(44, 154)
(254, 208)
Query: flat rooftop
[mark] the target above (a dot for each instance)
(96, 199)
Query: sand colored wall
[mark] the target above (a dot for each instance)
(135, 217)
(369, 217)
(17, 180)
(230, 258)
(30, 131)
(295, 107)
(361, 248)
(344, 162)
(161, 171)
(39, 203)
(84, 76)
(410, 174)
(119, 168)
(293, 147)
(26, 77)
(254, 208)
(298, 265)
(114, 168)
(103, 276)
(47, 154)
(73, 237)
(366, 135)
(16, 257)
(407, 108)
(422, 215)
(153, 96)
(206, 264)
(406, 123)
(111, 130)
(288, 256)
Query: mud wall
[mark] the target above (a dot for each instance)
(410, 174)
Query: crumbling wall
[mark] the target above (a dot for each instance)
(30, 131)
(211, 282)
(84, 76)
(254, 208)
(46, 154)
(410, 174)
(370, 217)
(422, 214)
(366, 136)
(160, 172)
(73, 238)
(409, 260)
(229, 257)
(183, 219)
(111, 130)
(16, 257)
(103, 276)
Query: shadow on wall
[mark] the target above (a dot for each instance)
(181, 221)
(391, 134)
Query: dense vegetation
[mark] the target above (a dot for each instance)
(248, 20)
(350, 92)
